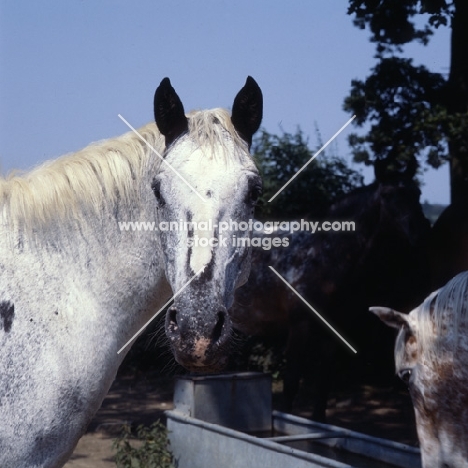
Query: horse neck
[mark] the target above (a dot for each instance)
(118, 272)
(128, 261)
(81, 289)
(364, 209)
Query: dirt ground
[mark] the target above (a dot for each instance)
(130, 401)
(381, 412)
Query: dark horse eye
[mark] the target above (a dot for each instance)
(254, 192)
(156, 187)
(405, 375)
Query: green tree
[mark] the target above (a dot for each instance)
(412, 112)
(325, 179)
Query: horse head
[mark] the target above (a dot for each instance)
(431, 352)
(206, 192)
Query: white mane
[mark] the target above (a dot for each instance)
(443, 319)
(96, 175)
(210, 127)
(101, 173)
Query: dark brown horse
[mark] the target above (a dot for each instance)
(448, 245)
(341, 274)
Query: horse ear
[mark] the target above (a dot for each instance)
(391, 317)
(247, 110)
(169, 112)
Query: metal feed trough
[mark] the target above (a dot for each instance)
(226, 421)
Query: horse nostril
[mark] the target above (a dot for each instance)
(218, 329)
(173, 318)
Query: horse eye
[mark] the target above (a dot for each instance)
(405, 375)
(255, 192)
(156, 187)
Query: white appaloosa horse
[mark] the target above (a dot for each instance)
(431, 356)
(75, 285)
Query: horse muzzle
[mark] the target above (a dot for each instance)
(199, 339)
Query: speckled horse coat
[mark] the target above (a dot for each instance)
(74, 287)
(431, 356)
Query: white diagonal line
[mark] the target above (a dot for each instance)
(312, 309)
(160, 157)
(159, 311)
(312, 158)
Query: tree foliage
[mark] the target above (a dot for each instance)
(325, 179)
(391, 22)
(400, 102)
(413, 112)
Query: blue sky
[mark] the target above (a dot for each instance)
(68, 68)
